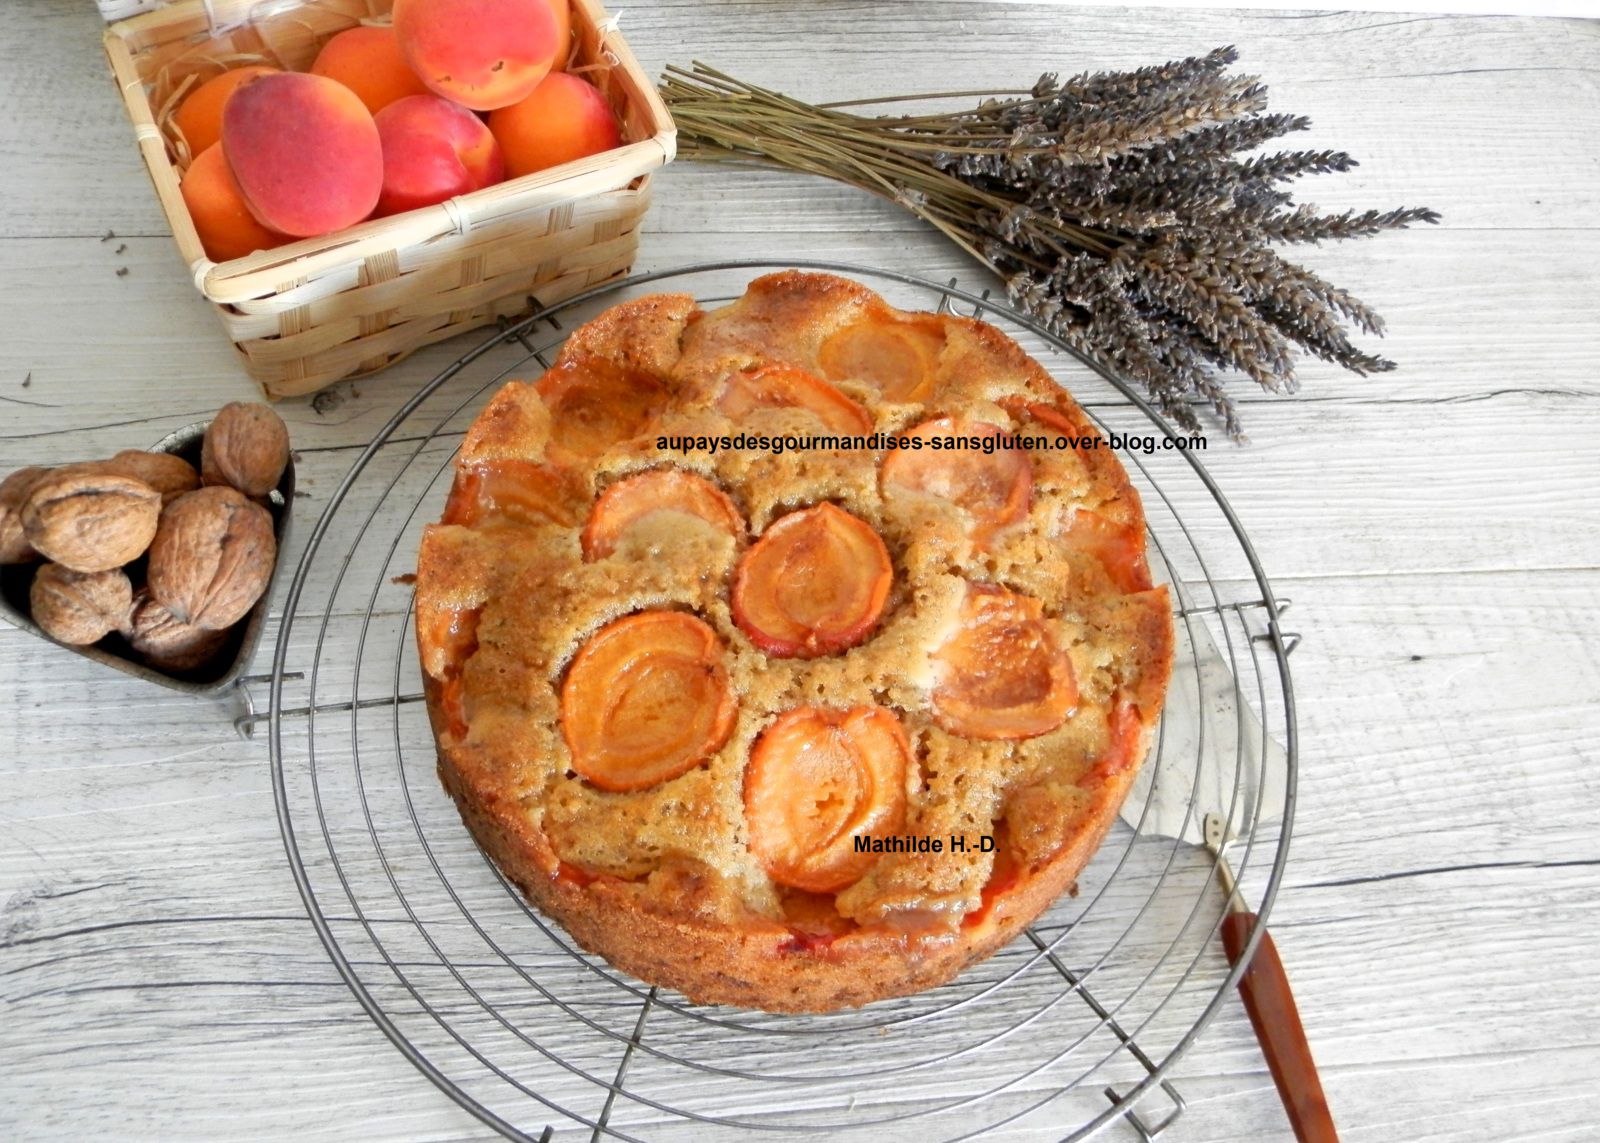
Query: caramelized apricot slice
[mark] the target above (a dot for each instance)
(1123, 728)
(1116, 546)
(448, 637)
(517, 491)
(785, 387)
(633, 499)
(595, 404)
(896, 358)
(645, 700)
(815, 583)
(1001, 675)
(994, 488)
(817, 780)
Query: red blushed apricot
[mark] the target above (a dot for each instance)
(785, 387)
(595, 403)
(815, 583)
(199, 116)
(515, 492)
(636, 498)
(645, 700)
(565, 118)
(227, 228)
(433, 150)
(898, 358)
(482, 54)
(994, 488)
(1116, 546)
(1001, 674)
(305, 152)
(818, 779)
(367, 59)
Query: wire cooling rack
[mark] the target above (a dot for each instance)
(1071, 1031)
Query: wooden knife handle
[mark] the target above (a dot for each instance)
(1265, 988)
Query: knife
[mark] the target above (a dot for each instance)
(1216, 766)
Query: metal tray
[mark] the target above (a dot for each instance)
(114, 651)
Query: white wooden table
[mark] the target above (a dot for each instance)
(1437, 528)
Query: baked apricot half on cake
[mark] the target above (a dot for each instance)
(817, 780)
(646, 699)
(650, 495)
(897, 358)
(723, 711)
(993, 488)
(815, 583)
(785, 387)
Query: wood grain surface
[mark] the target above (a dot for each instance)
(1438, 530)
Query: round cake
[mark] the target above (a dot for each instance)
(794, 654)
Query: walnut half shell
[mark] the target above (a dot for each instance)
(80, 607)
(89, 519)
(212, 557)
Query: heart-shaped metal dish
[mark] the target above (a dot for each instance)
(113, 650)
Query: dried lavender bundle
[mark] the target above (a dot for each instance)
(1119, 208)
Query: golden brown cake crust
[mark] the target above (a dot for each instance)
(662, 881)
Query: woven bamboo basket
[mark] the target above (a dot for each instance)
(320, 309)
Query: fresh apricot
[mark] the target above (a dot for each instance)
(563, 119)
(815, 583)
(646, 700)
(817, 779)
(433, 150)
(994, 488)
(199, 116)
(514, 491)
(1116, 546)
(785, 387)
(226, 227)
(482, 54)
(367, 59)
(1001, 673)
(305, 152)
(639, 497)
(898, 358)
(595, 403)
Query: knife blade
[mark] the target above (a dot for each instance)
(1212, 765)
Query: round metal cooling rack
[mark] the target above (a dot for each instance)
(1071, 1030)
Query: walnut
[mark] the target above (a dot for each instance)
(169, 475)
(246, 447)
(167, 643)
(212, 557)
(89, 519)
(80, 607)
(14, 489)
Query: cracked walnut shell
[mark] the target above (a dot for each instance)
(212, 557)
(14, 489)
(246, 447)
(80, 607)
(89, 519)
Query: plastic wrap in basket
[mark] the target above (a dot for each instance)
(320, 309)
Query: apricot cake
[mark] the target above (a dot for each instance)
(793, 654)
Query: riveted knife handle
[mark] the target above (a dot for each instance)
(1267, 998)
